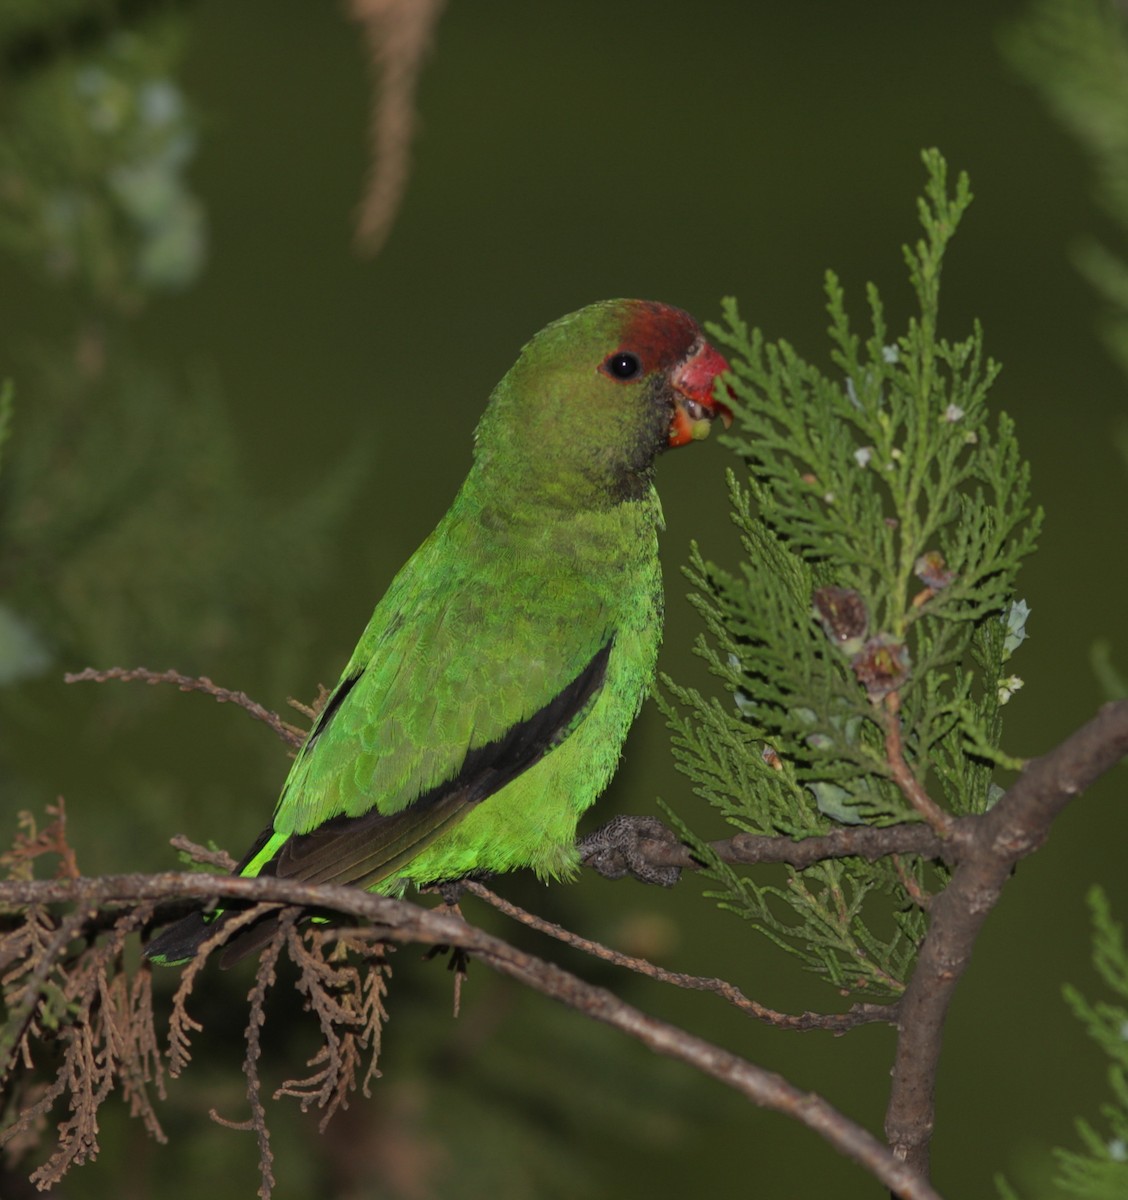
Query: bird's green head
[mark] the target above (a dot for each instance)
(593, 399)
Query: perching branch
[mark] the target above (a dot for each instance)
(401, 922)
(854, 841)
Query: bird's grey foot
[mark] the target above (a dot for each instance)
(451, 891)
(615, 850)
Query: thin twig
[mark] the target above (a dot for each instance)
(220, 859)
(838, 1023)
(290, 734)
(937, 818)
(917, 894)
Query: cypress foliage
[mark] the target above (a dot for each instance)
(884, 515)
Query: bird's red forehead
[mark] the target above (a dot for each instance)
(659, 334)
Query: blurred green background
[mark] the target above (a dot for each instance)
(231, 429)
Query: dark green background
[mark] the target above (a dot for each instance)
(569, 152)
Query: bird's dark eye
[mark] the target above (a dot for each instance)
(623, 365)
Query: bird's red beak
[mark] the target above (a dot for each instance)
(696, 406)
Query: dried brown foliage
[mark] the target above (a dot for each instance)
(64, 982)
(79, 1023)
(347, 995)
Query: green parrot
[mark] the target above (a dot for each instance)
(486, 703)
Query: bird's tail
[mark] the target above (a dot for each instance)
(180, 941)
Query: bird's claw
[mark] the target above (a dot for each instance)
(450, 891)
(615, 850)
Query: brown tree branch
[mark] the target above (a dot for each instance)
(858, 1014)
(404, 922)
(986, 847)
(911, 788)
(854, 841)
(220, 859)
(290, 734)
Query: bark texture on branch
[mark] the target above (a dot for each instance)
(986, 849)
